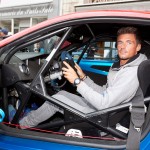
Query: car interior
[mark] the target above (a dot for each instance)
(31, 76)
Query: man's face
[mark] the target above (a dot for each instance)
(127, 46)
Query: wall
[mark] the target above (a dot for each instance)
(140, 5)
(68, 5)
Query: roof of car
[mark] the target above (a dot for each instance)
(77, 15)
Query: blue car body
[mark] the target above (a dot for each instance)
(14, 143)
(86, 64)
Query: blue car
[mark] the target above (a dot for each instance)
(31, 72)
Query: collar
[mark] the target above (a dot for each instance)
(117, 64)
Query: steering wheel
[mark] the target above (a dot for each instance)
(56, 75)
(65, 56)
(55, 69)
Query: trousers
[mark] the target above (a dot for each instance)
(48, 109)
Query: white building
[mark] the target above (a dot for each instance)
(140, 5)
(16, 15)
(70, 6)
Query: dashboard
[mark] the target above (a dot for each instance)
(22, 67)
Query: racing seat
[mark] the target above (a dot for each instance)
(138, 108)
(143, 77)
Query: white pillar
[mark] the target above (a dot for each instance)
(31, 22)
(12, 26)
(60, 7)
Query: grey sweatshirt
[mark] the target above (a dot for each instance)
(122, 84)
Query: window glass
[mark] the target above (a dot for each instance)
(44, 46)
(36, 50)
(103, 50)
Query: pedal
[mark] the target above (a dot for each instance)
(122, 128)
(74, 133)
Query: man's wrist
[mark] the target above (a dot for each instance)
(83, 78)
(77, 81)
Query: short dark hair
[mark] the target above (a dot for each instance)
(130, 30)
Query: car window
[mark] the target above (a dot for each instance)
(44, 46)
(101, 50)
(36, 50)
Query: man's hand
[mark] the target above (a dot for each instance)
(69, 73)
(79, 70)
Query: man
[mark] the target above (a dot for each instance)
(3, 33)
(121, 86)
